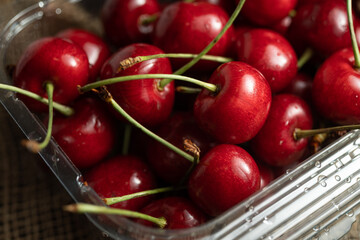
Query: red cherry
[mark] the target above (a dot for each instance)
(267, 12)
(141, 99)
(301, 86)
(179, 213)
(275, 143)
(266, 175)
(63, 63)
(323, 25)
(228, 6)
(336, 90)
(226, 175)
(189, 27)
(120, 176)
(270, 53)
(237, 112)
(122, 20)
(87, 136)
(95, 48)
(168, 165)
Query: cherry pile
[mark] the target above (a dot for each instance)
(282, 67)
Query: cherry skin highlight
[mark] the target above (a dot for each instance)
(226, 175)
(54, 60)
(239, 109)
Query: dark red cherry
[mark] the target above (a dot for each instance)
(95, 48)
(336, 89)
(266, 175)
(185, 27)
(167, 164)
(226, 175)
(323, 26)
(228, 6)
(87, 136)
(123, 20)
(275, 143)
(239, 109)
(179, 213)
(120, 176)
(267, 12)
(301, 86)
(54, 60)
(141, 99)
(270, 53)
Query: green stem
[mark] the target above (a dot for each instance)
(148, 19)
(67, 111)
(94, 209)
(189, 90)
(113, 200)
(184, 68)
(292, 13)
(299, 133)
(118, 108)
(187, 55)
(305, 57)
(33, 145)
(127, 136)
(352, 34)
(88, 87)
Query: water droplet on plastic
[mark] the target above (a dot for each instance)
(350, 213)
(297, 185)
(249, 220)
(251, 208)
(41, 4)
(318, 164)
(338, 164)
(104, 234)
(348, 179)
(323, 184)
(337, 178)
(270, 238)
(58, 11)
(358, 179)
(306, 189)
(327, 230)
(288, 171)
(250, 229)
(316, 228)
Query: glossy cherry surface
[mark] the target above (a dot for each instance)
(267, 12)
(189, 27)
(275, 143)
(336, 90)
(179, 213)
(168, 165)
(141, 99)
(266, 175)
(55, 60)
(239, 109)
(122, 175)
(123, 20)
(95, 48)
(270, 53)
(301, 86)
(226, 175)
(88, 136)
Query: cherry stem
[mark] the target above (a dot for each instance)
(188, 90)
(129, 62)
(88, 87)
(299, 133)
(65, 110)
(118, 108)
(352, 34)
(33, 145)
(292, 13)
(113, 200)
(148, 19)
(184, 68)
(305, 57)
(95, 209)
(192, 148)
(127, 136)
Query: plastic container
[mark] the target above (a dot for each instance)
(320, 199)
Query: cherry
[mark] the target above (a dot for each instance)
(270, 53)
(168, 165)
(267, 12)
(124, 21)
(88, 135)
(335, 89)
(185, 27)
(228, 6)
(95, 48)
(275, 143)
(141, 99)
(301, 86)
(226, 175)
(179, 213)
(266, 175)
(323, 25)
(56, 60)
(122, 175)
(239, 109)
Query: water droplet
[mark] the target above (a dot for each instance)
(358, 179)
(318, 164)
(321, 180)
(327, 229)
(287, 123)
(356, 96)
(297, 185)
(323, 184)
(270, 237)
(281, 142)
(350, 213)
(288, 171)
(251, 208)
(41, 4)
(337, 178)
(248, 219)
(104, 234)
(306, 189)
(316, 228)
(338, 164)
(250, 229)
(58, 11)
(348, 179)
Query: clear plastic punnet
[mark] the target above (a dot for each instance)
(319, 199)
